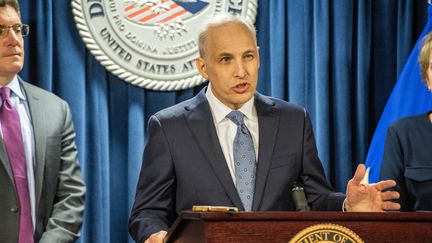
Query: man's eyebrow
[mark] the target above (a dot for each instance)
(224, 54)
(230, 54)
(6, 25)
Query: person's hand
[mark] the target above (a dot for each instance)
(157, 237)
(362, 197)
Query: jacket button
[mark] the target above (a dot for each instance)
(14, 209)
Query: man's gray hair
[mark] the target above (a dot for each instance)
(13, 3)
(219, 20)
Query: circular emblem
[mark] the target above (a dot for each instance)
(326, 233)
(151, 43)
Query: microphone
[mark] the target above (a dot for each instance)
(299, 197)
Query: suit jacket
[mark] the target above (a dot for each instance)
(183, 164)
(59, 184)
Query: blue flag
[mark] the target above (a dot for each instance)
(410, 96)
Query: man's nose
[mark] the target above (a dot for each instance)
(240, 69)
(12, 37)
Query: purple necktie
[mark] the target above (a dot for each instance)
(12, 139)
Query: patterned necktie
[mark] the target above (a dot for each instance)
(244, 160)
(12, 139)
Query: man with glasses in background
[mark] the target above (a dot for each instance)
(41, 186)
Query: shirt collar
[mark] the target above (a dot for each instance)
(220, 111)
(15, 86)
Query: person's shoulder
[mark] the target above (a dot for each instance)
(173, 110)
(284, 106)
(181, 108)
(407, 123)
(41, 94)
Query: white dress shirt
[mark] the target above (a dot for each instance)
(19, 101)
(226, 129)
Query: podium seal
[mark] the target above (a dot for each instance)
(326, 233)
(151, 43)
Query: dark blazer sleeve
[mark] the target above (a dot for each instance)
(154, 206)
(319, 192)
(392, 166)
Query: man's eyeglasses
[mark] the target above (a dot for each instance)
(19, 29)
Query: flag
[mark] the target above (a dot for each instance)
(409, 97)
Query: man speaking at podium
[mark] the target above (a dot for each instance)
(231, 146)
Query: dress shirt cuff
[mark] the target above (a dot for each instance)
(344, 209)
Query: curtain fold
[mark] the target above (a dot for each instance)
(338, 58)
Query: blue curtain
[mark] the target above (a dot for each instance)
(338, 58)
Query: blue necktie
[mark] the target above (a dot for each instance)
(244, 160)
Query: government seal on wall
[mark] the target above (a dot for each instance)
(151, 43)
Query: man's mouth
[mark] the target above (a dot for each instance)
(241, 88)
(12, 53)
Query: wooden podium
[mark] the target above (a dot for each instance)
(284, 226)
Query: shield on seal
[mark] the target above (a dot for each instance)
(151, 43)
(167, 11)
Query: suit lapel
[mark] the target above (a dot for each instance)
(201, 124)
(5, 160)
(37, 115)
(268, 118)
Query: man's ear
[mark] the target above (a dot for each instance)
(201, 66)
(259, 60)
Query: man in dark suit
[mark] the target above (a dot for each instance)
(41, 186)
(191, 156)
